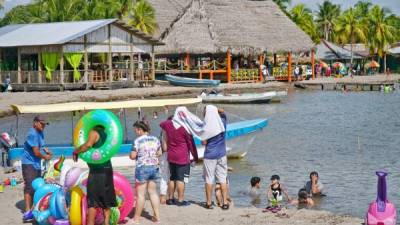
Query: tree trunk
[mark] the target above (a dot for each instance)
(384, 62)
(326, 32)
(351, 52)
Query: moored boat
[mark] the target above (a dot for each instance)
(234, 130)
(245, 98)
(191, 82)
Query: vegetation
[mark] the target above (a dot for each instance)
(366, 23)
(138, 13)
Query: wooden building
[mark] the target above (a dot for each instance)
(76, 55)
(228, 39)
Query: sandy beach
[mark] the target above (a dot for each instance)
(11, 203)
(31, 98)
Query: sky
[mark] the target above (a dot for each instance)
(393, 5)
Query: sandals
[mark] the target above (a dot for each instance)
(155, 220)
(225, 206)
(209, 206)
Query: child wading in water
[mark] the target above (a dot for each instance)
(275, 194)
(146, 151)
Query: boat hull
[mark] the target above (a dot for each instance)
(255, 98)
(233, 130)
(190, 82)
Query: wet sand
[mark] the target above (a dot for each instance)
(32, 98)
(11, 203)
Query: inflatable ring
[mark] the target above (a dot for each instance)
(41, 211)
(75, 215)
(42, 189)
(124, 191)
(58, 205)
(113, 129)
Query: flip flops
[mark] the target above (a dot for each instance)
(273, 209)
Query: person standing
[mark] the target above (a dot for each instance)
(215, 166)
(146, 150)
(31, 161)
(179, 145)
(100, 183)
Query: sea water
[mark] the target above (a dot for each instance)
(346, 137)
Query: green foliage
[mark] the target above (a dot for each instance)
(302, 16)
(141, 11)
(325, 19)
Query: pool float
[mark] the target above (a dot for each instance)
(124, 191)
(58, 206)
(75, 213)
(59, 164)
(42, 189)
(41, 211)
(381, 211)
(71, 177)
(112, 128)
(63, 173)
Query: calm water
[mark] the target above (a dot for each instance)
(346, 137)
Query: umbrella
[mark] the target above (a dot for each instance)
(323, 64)
(372, 64)
(338, 65)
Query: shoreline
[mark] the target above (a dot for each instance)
(12, 202)
(32, 98)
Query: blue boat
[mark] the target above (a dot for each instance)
(233, 130)
(191, 82)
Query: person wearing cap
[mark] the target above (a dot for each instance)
(314, 186)
(276, 191)
(34, 152)
(100, 184)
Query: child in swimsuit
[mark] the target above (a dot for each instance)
(276, 191)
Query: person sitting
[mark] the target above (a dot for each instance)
(303, 198)
(276, 191)
(313, 187)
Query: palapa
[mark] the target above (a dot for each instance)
(214, 26)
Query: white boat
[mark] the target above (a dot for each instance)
(245, 98)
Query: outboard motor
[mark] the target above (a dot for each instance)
(6, 143)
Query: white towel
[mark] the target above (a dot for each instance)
(212, 125)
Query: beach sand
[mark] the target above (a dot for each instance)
(161, 91)
(11, 202)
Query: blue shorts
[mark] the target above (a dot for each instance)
(147, 173)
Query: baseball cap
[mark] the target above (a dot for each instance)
(40, 119)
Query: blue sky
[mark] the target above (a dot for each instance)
(393, 5)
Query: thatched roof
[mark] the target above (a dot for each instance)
(244, 26)
(329, 51)
(167, 11)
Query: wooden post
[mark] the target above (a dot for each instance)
(153, 65)
(289, 71)
(261, 62)
(109, 58)
(62, 66)
(19, 76)
(313, 63)
(187, 61)
(86, 63)
(275, 61)
(131, 67)
(40, 65)
(228, 65)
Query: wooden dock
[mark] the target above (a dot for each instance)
(355, 83)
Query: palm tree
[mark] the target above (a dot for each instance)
(283, 5)
(62, 10)
(362, 8)
(349, 28)
(326, 16)
(142, 16)
(381, 32)
(302, 16)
